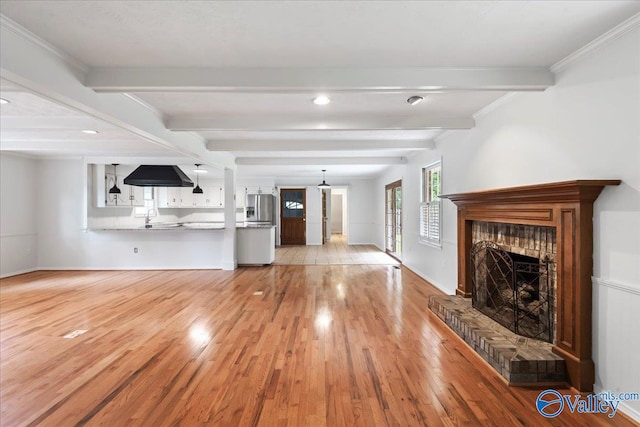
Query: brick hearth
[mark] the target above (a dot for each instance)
(519, 360)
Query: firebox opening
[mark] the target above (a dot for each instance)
(513, 290)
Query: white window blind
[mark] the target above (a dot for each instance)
(430, 206)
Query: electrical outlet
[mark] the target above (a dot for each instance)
(135, 250)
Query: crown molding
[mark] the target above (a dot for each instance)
(597, 43)
(28, 35)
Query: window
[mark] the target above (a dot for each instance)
(149, 205)
(431, 206)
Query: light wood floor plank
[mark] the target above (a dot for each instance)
(324, 345)
(334, 252)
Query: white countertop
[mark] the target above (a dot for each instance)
(176, 226)
(181, 226)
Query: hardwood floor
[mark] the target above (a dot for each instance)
(336, 251)
(333, 345)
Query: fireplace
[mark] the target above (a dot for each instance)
(564, 211)
(514, 290)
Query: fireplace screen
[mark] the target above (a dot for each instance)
(512, 289)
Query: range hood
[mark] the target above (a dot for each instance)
(158, 176)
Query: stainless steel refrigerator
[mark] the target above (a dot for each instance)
(260, 208)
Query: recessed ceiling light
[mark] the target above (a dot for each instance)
(90, 131)
(321, 100)
(199, 171)
(415, 100)
(4, 101)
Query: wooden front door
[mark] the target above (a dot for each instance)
(293, 217)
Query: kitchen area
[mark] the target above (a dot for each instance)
(162, 204)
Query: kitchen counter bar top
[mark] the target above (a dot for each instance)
(179, 226)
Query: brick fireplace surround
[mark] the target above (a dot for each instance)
(567, 207)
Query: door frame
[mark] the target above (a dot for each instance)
(392, 186)
(281, 215)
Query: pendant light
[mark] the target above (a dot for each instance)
(324, 184)
(197, 190)
(115, 189)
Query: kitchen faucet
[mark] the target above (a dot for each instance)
(147, 219)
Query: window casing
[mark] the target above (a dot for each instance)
(431, 205)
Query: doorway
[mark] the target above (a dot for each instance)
(324, 216)
(393, 219)
(338, 213)
(293, 217)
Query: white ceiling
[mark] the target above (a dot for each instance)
(239, 77)
(318, 33)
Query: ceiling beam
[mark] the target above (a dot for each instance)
(312, 79)
(28, 65)
(332, 145)
(282, 123)
(11, 144)
(31, 123)
(266, 161)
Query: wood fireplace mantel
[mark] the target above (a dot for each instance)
(567, 206)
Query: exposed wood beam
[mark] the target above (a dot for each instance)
(257, 145)
(262, 161)
(274, 123)
(306, 79)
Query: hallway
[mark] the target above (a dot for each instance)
(334, 252)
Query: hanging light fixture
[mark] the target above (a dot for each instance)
(324, 184)
(197, 190)
(115, 189)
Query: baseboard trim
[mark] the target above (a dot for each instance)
(99, 268)
(428, 279)
(624, 408)
(17, 273)
(229, 265)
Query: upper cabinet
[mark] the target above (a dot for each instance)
(212, 196)
(129, 195)
(242, 191)
(183, 197)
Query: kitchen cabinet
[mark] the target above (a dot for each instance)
(183, 197)
(240, 196)
(217, 197)
(136, 195)
(256, 245)
(130, 196)
(241, 193)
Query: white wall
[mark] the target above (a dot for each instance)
(18, 212)
(336, 213)
(361, 212)
(585, 127)
(314, 216)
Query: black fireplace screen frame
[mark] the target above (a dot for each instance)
(515, 294)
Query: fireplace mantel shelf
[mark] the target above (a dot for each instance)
(566, 191)
(568, 207)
